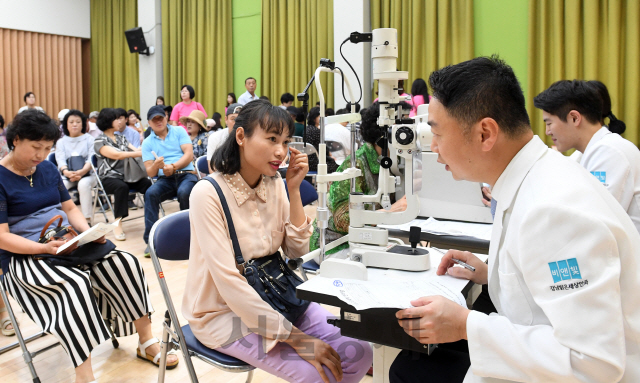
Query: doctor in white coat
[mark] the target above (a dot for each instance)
(573, 114)
(563, 268)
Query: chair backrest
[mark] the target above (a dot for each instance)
(308, 193)
(94, 161)
(202, 164)
(170, 237)
(52, 158)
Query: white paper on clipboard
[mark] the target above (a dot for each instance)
(95, 232)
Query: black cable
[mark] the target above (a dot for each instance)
(354, 72)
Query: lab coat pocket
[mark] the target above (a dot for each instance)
(513, 301)
(277, 237)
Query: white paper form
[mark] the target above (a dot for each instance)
(433, 226)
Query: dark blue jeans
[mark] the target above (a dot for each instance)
(165, 188)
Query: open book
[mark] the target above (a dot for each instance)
(90, 235)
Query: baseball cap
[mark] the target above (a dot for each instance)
(156, 110)
(234, 109)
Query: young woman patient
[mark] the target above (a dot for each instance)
(224, 311)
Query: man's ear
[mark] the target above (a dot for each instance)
(574, 118)
(240, 138)
(487, 129)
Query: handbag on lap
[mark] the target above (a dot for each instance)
(269, 276)
(134, 169)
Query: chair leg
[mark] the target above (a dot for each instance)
(249, 376)
(164, 348)
(114, 340)
(26, 355)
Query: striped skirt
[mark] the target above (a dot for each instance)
(77, 304)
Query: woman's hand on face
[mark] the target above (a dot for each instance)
(298, 169)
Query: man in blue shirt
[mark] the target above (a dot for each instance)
(168, 154)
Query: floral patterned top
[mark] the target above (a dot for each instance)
(200, 145)
(4, 148)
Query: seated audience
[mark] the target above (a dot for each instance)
(93, 128)
(197, 132)
(4, 149)
(111, 151)
(73, 155)
(308, 350)
(419, 95)
(231, 99)
(217, 138)
(30, 101)
(313, 137)
(74, 304)
(186, 106)
(339, 134)
(367, 161)
(159, 100)
(167, 154)
(299, 121)
(131, 134)
(286, 100)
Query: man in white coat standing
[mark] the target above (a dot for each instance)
(563, 269)
(573, 115)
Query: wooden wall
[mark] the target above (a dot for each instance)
(48, 65)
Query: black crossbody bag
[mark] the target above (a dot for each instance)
(269, 276)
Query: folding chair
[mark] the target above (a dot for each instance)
(202, 165)
(169, 240)
(22, 342)
(98, 191)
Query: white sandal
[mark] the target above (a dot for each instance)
(6, 322)
(142, 354)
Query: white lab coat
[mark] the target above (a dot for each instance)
(583, 329)
(615, 162)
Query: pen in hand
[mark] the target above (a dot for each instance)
(465, 265)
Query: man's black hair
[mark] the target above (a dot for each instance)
(258, 113)
(249, 78)
(369, 128)
(264, 98)
(121, 113)
(27, 95)
(329, 112)
(192, 92)
(74, 112)
(32, 125)
(615, 125)
(168, 109)
(342, 111)
(287, 97)
(479, 88)
(106, 118)
(564, 96)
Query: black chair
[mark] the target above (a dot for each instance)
(170, 240)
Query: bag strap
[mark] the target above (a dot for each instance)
(227, 213)
(51, 221)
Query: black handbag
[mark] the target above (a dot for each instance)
(269, 276)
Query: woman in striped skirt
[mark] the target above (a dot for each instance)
(75, 304)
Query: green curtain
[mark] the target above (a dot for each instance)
(431, 33)
(587, 40)
(198, 50)
(114, 71)
(296, 34)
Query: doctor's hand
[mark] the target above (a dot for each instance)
(486, 196)
(434, 319)
(297, 170)
(480, 276)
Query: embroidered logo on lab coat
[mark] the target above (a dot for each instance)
(601, 176)
(563, 270)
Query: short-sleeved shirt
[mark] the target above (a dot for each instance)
(169, 148)
(132, 135)
(247, 97)
(108, 167)
(19, 199)
(183, 110)
(200, 144)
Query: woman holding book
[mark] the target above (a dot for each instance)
(71, 303)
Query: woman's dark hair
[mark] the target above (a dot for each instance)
(313, 113)
(32, 125)
(233, 95)
(106, 118)
(168, 109)
(192, 92)
(1, 122)
(216, 117)
(615, 125)
(419, 87)
(159, 98)
(74, 112)
(564, 96)
(129, 113)
(27, 95)
(479, 88)
(369, 128)
(329, 112)
(272, 119)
